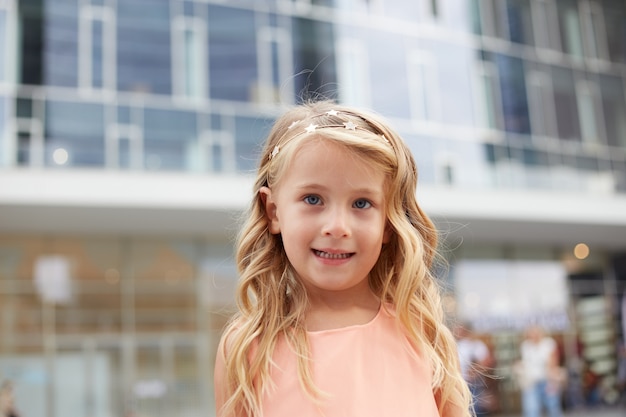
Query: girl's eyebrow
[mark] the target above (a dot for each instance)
(320, 187)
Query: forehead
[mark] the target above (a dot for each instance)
(322, 160)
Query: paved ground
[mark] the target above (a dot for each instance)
(589, 412)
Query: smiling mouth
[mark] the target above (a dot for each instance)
(327, 255)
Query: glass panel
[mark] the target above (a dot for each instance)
(565, 104)
(569, 24)
(615, 27)
(31, 24)
(143, 52)
(249, 134)
(186, 389)
(520, 23)
(402, 9)
(585, 98)
(3, 131)
(149, 387)
(3, 42)
(544, 23)
(619, 174)
(536, 95)
(97, 54)
(232, 53)
(61, 46)
(475, 16)
(78, 128)
(513, 93)
(192, 58)
(614, 109)
(169, 136)
(313, 49)
(391, 96)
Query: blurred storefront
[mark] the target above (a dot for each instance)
(128, 130)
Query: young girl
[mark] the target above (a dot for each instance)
(339, 313)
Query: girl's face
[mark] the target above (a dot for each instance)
(329, 208)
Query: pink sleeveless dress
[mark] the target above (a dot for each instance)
(365, 370)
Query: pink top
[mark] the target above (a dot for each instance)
(366, 370)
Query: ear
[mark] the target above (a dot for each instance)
(265, 193)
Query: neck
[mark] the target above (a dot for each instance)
(336, 312)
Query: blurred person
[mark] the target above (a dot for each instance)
(7, 400)
(475, 360)
(339, 311)
(541, 378)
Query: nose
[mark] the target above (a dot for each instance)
(336, 223)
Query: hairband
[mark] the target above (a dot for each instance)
(311, 128)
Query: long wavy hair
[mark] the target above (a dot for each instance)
(272, 301)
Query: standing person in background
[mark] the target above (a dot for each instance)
(339, 311)
(540, 374)
(7, 400)
(475, 359)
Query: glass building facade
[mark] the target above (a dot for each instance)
(523, 96)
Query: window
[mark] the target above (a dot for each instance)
(97, 48)
(29, 129)
(489, 104)
(613, 110)
(565, 104)
(189, 63)
(275, 65)
(545, 24)
(78, 128)
(353, 76)
(594, 30)
(314, 65)
(513, 89)
(216, 152)
(587, 99)
(541, 104)
(3, 45)
(569, 25)
(124, 147)
(424, 86)
(143, 29)
(615, 25)
(519, 21)
(232, 53)
(168, 136)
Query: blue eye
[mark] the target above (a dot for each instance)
(312, 199)
(362, 204)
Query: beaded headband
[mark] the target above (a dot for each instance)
(311, 128)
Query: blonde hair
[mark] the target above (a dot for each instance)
(272, 301)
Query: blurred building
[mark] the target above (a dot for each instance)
(129, 129)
